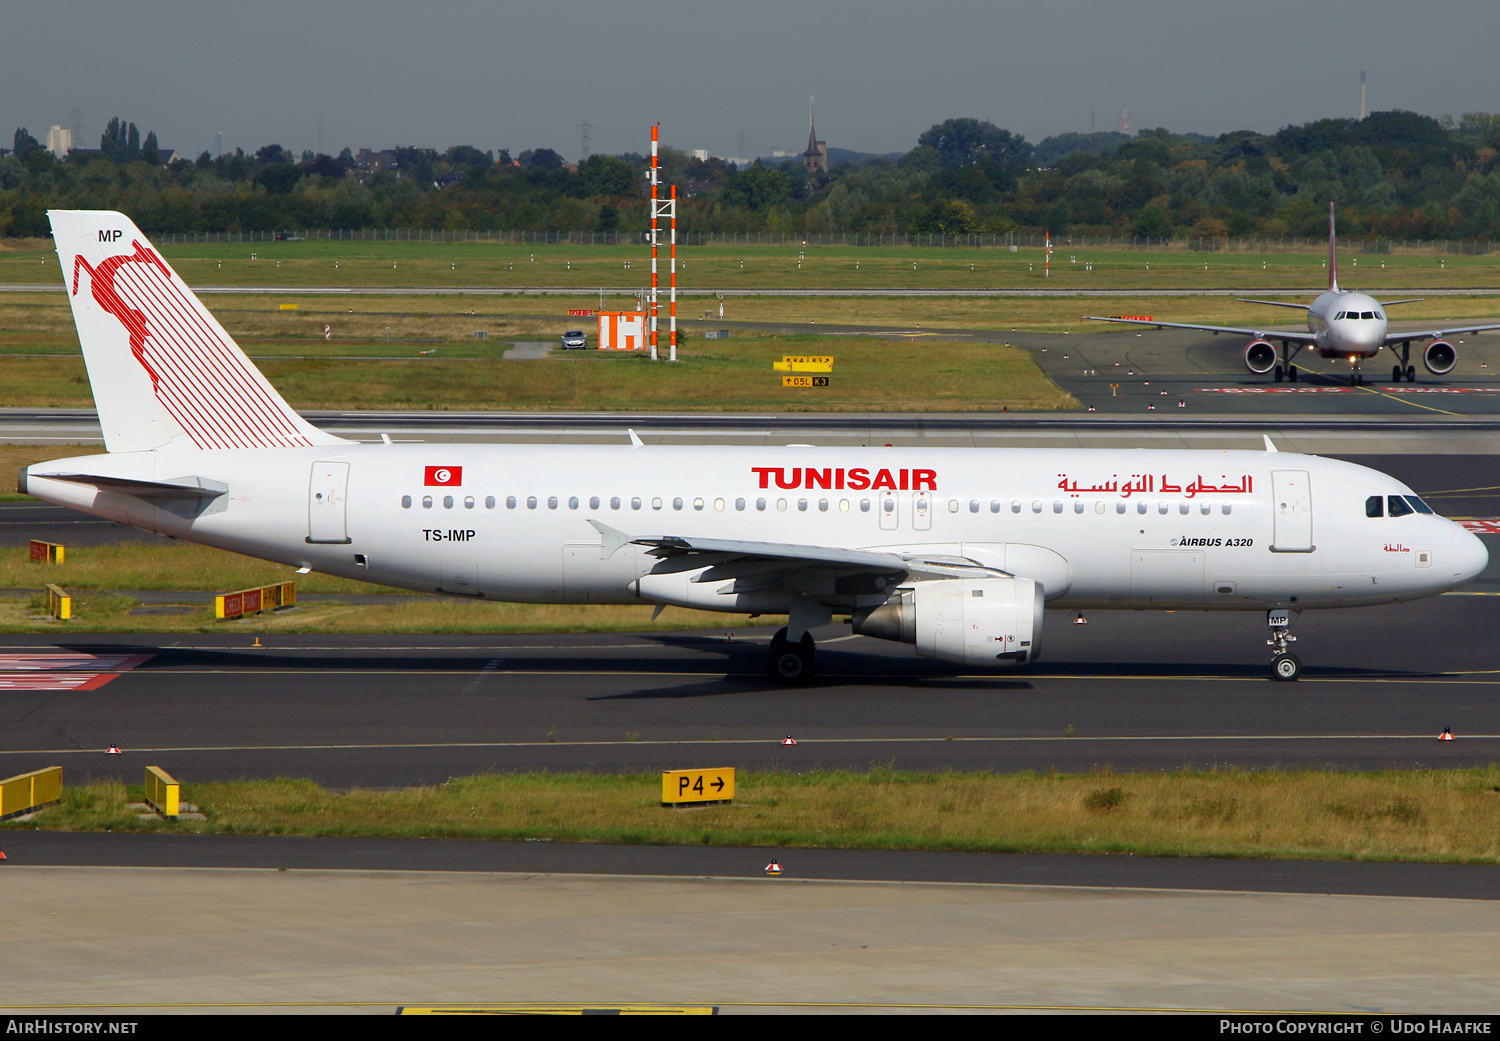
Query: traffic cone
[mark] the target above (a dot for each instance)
(1446, 735)
(112, 750)
(773, 868)
(788, 741)
(1080, 620)
(2, 854)
(1150, 408)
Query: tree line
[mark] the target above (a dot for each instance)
(1394, 175)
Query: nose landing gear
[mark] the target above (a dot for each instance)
(1285, 666)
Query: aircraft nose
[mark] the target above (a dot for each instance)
(1468, 557)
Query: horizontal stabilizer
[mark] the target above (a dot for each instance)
(183, 488)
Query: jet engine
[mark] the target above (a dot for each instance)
(984, 621)
(1440, 357)
(1260, 357)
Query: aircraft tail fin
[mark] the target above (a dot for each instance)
(1333, 253)
(162, 368)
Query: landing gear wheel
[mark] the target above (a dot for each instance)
(790, 663)
(1286, 667)
(1411, 374)
(1291, 373)
(1280, 374)
(1396, 373)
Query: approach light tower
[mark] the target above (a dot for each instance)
(662, 208)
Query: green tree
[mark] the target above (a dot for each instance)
(966, 141)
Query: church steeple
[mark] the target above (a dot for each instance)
(816, 156)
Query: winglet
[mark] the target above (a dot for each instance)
(612, 539)
(1269, 447)
(635, 442)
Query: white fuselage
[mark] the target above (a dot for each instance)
(1347, 325)
(1095, 528)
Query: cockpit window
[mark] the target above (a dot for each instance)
(1399, 507)
(1375, 506)
(1367, 314)
(1417, 504)
(1380, 316)
(1339, 317)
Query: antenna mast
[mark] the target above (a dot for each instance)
(1362, 110)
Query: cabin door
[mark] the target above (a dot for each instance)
(1292, 508)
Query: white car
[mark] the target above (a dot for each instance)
(575, 338)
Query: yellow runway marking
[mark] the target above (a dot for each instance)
(1382, 394)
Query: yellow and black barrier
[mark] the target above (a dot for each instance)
(27, 793)
(252, 601)
(59, 603)
(46, 552)
(697, 787)
(163, 793)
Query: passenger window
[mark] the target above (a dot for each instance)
(1227, 508)
(1119, 507)
(698, 504)
(510, 502)
(1078, 506)
(1036, 506)
(781, 505)
(1141, 507)
(531, 502)
(889, 505)
(739, 504)
(952, 505)
(864, 506)
(1182, 508)
(843, 505)
(1162, 507)
(635, 502)
(447, 502)
(1398, 506)
(1417, 504)
(593, 502)
(994, 505)
(426, 502)
(406, 502)
(489, 502)
(468, 502)
(1015, 506)
(802, 505)
(1056, 505)
(823, 505)
(719, 505)
(1375, 506)
(760, 504)
(973, 505)
(677, 503)
(551, 502)
(572, 502)
(614, 502)
(656, 503)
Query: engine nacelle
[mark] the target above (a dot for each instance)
(983, 621)
(1260, 357)
(1440, 357)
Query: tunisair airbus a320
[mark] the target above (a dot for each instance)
(1341, 324)
(954, 550)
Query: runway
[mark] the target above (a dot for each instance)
(1133, 690)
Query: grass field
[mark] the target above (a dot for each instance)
(44, 367)
(1437, 815)
(718, 267)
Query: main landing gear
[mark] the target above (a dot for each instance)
(1406, 369)
(1285, 666)
(789, 662)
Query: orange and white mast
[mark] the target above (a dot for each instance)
(652, 318)
(672, 321)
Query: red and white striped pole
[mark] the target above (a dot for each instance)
(672, 321)
(652, 306)
(1047, 270)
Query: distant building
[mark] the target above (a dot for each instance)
(59, 141)
(816, 156)
(700, 154)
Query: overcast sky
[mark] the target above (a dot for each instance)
(509, 75)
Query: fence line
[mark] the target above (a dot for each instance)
(1013, 241)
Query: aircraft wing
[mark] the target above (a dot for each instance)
(737, 558)
(1257, 333)
(1437, 334)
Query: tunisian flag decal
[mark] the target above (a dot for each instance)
(443, 476)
